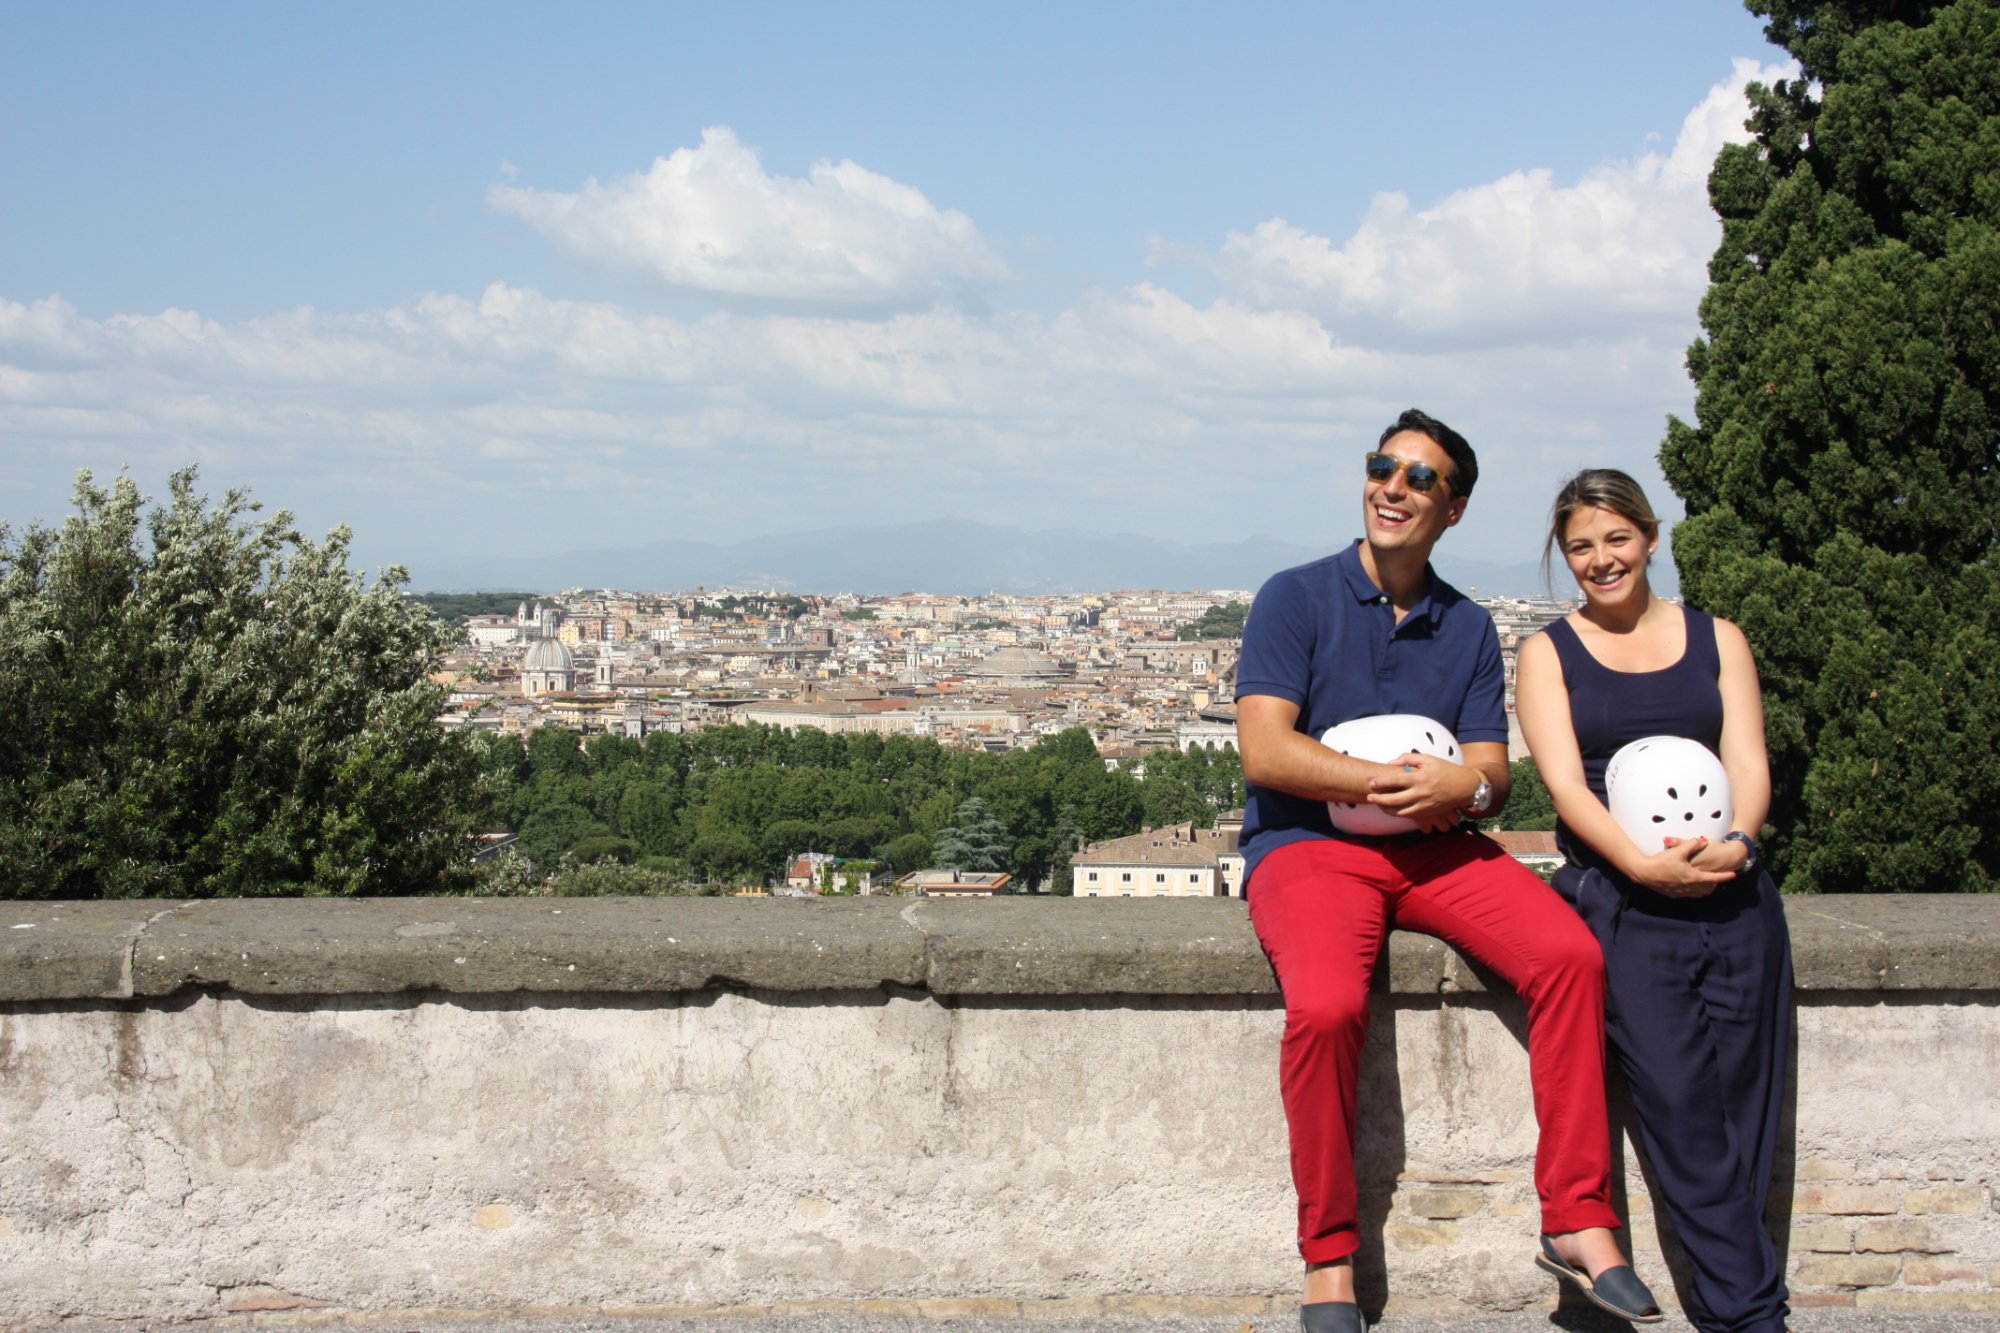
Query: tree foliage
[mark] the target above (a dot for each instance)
(1191, 786)
(457, 606)
(775, 606)
(201, 704)
(975, 840)
(516, 876)
(1529, 808)
(1218, 622)
(1841, 483)
(734, 804)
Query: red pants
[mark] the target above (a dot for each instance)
(1321, 910)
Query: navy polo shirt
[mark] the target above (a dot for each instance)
(1325, 637)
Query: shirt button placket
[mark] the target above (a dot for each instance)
(1383, 669)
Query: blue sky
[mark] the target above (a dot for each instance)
(468, 277)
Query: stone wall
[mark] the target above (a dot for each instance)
(997, 1106)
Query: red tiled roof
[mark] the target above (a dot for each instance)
(1520, 843)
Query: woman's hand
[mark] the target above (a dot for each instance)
(1720, 854)
(1678, 870)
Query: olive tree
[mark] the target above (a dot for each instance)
(196, 702)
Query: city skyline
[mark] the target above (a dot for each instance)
(718, 277)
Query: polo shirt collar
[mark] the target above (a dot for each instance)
(1367, 593)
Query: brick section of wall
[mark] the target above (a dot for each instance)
(1879, 1239)
(1892, 1240)
(1849, 1199)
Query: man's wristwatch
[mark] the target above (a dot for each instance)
(1482, 799)
(1749, 845)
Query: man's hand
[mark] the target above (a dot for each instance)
(1278, 755)
(1426, 790)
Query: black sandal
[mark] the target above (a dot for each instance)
(1617, 1290)
(1332, 1317)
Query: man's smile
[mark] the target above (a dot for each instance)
(1386, 515)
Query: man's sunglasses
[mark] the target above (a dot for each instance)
(1422, 477)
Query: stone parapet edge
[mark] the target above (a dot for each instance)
(273, 1310)
(294, 1311)
(1116, 1311)
(1047, 947)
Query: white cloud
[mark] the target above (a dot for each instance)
(1131, 409)
(1518, 259)
(711, 222)
(1548, 322)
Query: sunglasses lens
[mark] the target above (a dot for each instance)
(1421, 477)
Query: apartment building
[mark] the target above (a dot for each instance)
(1180, 861)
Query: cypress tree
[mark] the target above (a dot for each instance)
(1841, 484)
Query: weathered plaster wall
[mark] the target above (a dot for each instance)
(704, 1104)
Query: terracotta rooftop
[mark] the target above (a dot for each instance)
(1519, 843)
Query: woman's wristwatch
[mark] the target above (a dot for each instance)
(1749, 845)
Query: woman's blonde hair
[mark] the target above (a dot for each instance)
(1598, 488)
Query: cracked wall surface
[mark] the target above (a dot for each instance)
(220, 1148)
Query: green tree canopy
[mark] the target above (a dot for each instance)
(1841, 482)
(1530, 808)
(732, 804)
(457, 606)
(200, 704)
(975, 841)
(1218, 622)
(1192, 786)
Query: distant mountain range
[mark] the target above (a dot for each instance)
(941, 556)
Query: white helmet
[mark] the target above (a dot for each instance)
(1668, 787)
(1380, 739)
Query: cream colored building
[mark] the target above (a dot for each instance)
(1202, 734)
(954, 883)
(837, 718)
(1180, 861)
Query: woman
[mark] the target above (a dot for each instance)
(1696, 953)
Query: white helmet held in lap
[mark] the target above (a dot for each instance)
(1667, 787)
(1382, 739)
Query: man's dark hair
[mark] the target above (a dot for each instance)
(1464, 463)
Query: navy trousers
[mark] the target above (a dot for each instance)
(1698, 1007)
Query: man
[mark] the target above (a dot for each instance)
(1369, 631)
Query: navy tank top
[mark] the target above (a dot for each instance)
(1611, 709)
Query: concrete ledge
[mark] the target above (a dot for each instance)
(1107, 1314)
(323, 1111)
(1052, 947)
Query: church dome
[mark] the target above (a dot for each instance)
(549, 655)
(1017, 664)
